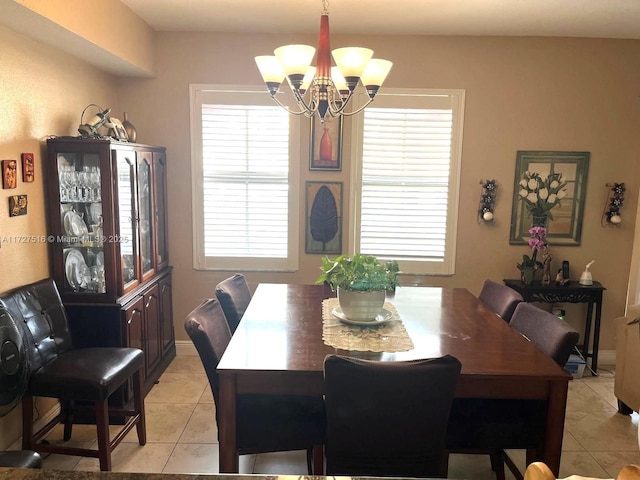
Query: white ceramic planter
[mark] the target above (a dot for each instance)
(361, 306)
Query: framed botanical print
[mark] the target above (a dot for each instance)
(549, 191)
(323, 218)
(326, 143)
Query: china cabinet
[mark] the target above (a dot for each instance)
(107, 209)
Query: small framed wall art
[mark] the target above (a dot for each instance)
(17, 205)
(323, 218)
(326, 144)
(9, 173)
(28, 168)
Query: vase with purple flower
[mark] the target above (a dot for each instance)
(529, 265)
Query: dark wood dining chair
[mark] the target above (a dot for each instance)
(496, 423)
(265, 423)
(388, 419)
(500, 298)
(234, 296)
(553, 336)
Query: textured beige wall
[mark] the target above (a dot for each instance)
(107, 24)
(42, 92)
(521, 94)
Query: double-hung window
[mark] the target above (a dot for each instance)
(407, 173)
(244, 213)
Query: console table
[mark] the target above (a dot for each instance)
(570, 293)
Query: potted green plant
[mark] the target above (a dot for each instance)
(361, 282)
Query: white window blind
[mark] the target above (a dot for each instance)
(245, 159)
(243, 207)
(409, 183)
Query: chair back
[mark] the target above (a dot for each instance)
(546, 331)
(388, 418)
(234, 296)
(207, 328)
(38, 307)
(500, 298)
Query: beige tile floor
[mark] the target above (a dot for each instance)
(182, 436)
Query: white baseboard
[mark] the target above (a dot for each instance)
(185, 347)
(607, 357)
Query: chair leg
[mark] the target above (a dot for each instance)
(318, 460)
(67, 410)
(138, 403)
(444, 464)
(102, 425)
(532, 455)
(497, 464)
(27, 422)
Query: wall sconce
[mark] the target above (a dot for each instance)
(487, 200)
(611, 216)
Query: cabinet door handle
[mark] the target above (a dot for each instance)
(134, 312)
(151, 297)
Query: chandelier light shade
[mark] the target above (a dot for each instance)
(322, 89)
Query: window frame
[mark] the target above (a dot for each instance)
(404, 97)
(254, 95)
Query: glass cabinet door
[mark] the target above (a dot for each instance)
(127, 216)
(145, 214)
(82, 236)
(159, 178)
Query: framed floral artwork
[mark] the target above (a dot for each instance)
(323, 218)
(326, 144)
(549, 191)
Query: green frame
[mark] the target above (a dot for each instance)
(566, 226)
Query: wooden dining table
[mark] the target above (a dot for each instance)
(278, 349)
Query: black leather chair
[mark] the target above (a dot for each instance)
(388, 419)
(57, 370)
(265, 423)
(234, 295)
(500, 298)
(20, 459)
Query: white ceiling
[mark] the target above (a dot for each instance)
(565, 18)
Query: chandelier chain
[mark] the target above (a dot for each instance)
(325, 7)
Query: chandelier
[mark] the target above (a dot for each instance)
(323, 90)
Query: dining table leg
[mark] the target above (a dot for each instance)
(228, 451)
(556, 407)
